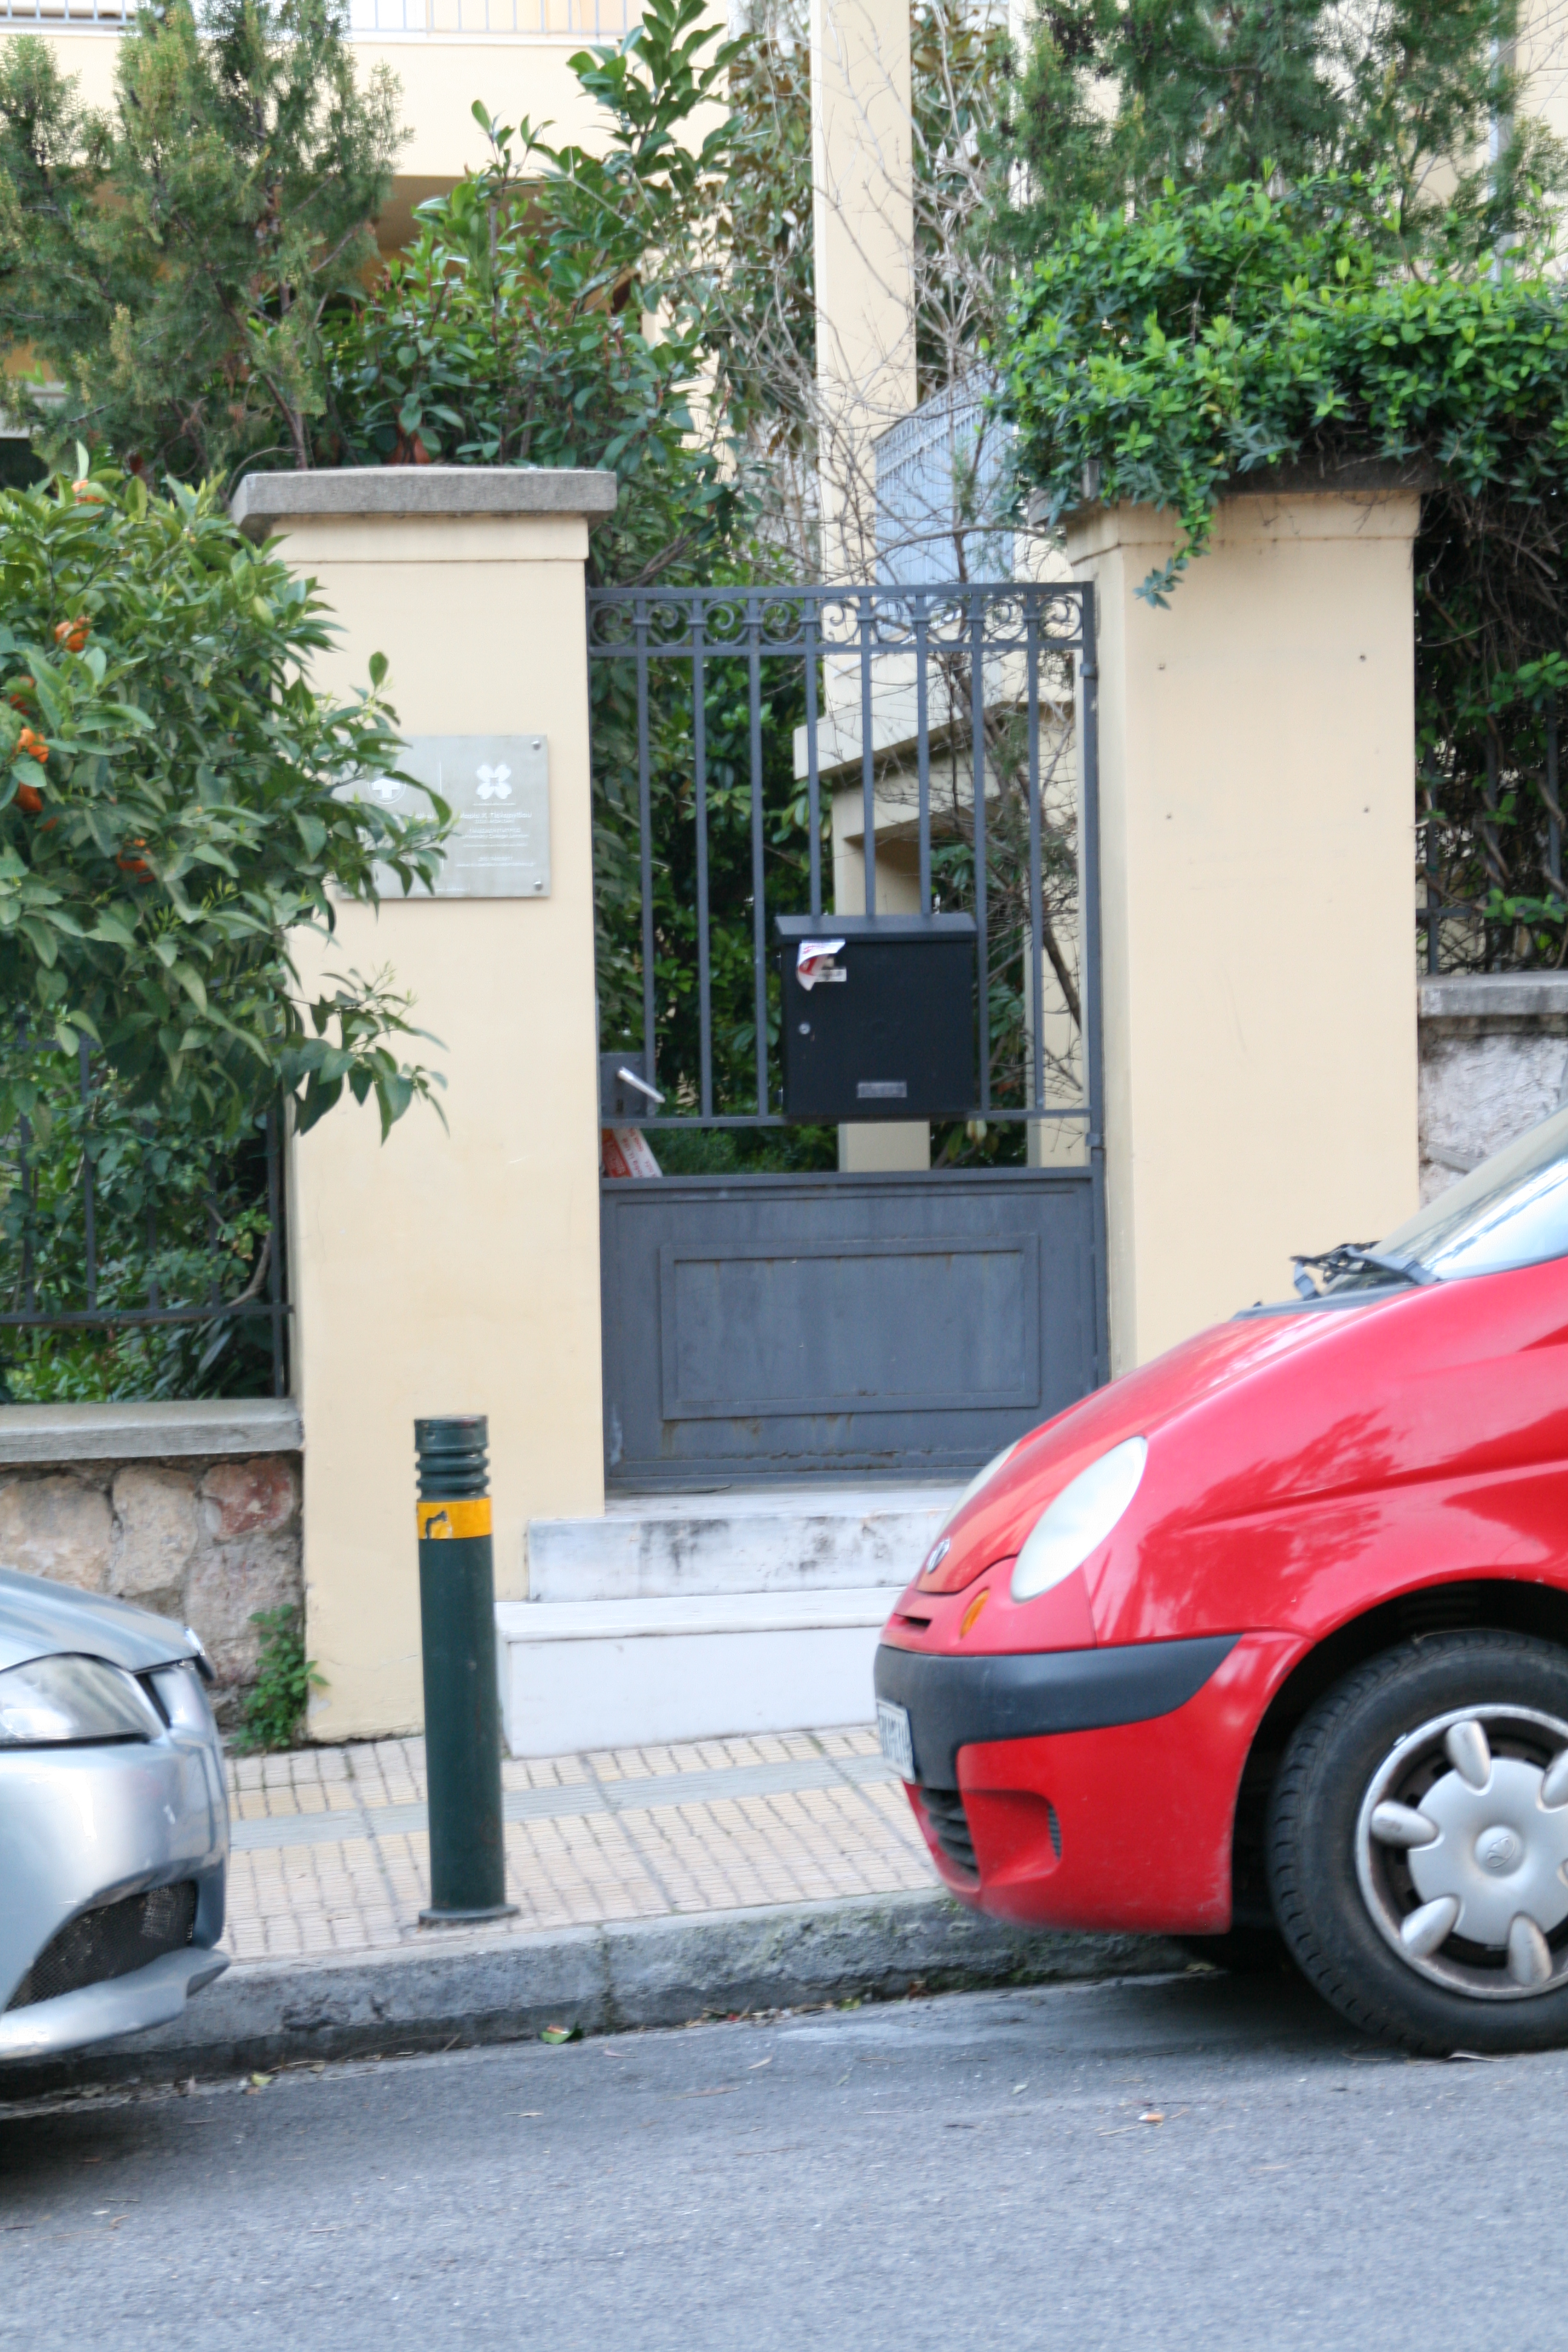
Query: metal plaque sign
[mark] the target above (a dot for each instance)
(497, 787)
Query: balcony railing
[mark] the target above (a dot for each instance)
(546, 20)
(69, 16)
(550, 20)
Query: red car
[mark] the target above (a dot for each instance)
(1270, 1637)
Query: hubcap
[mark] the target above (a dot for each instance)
(1462, 1852)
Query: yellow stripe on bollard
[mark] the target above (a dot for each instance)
(436, 1521)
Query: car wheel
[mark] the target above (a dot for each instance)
(1418, 1839)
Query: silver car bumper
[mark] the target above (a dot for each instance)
(84, 1828)
(120, 2005)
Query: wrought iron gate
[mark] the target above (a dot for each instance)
(769, 1312)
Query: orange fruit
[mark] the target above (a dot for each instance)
(30, 800)
(72, 635)
(32, 746)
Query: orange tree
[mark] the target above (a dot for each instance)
(174, 807)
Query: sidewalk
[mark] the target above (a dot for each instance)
(331, 1854)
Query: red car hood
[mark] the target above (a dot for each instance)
(995, 1524)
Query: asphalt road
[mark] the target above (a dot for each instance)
(1191, 2162)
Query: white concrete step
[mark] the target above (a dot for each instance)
(629, 1674)
(759, 1539)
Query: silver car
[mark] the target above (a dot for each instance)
(113, 1819)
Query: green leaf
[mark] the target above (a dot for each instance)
(40, 938)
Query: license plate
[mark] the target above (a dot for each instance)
(893, 1731)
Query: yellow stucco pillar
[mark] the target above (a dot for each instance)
(1256, 791)
(451, 1271)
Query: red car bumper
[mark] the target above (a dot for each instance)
(1095, 1789)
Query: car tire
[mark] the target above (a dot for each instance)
(1424, 1794)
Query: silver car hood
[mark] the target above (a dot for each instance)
(37, 1617)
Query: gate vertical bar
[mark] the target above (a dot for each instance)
(155, 1287)
(1488, 830)
(813, 779)
(759, 911)
(977, 795)
(29, 1209)
(1089, 993)
(1036, 949)
(1434, 884)
(699, 774)
(89, 1192)
(215, 1296)
(866, 608)
(1554, 806)
(277, 1237)
(645, 832)
(923, 740)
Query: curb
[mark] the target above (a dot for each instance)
(611, 1979)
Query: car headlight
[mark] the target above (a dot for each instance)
(58, 1702)
(1081, 1517)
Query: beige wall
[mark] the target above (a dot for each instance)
(1257, 749)
(453, 1273)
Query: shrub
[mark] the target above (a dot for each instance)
(1161, 357)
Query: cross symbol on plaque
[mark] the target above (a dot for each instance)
(494, 784)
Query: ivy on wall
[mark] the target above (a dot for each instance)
(1160, 357)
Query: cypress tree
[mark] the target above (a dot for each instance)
(170, 263)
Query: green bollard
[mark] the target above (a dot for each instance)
(462, 1706)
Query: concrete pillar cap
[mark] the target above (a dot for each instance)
(267, 503)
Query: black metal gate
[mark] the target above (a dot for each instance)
(772, 1307)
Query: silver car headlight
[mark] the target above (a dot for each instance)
(1079, 1519)
(63, 1701)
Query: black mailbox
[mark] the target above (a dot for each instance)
(877, 1015)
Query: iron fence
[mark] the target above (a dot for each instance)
(746, 739)
(101, 1229)
(1464, 865)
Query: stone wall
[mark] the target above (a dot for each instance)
(208, 1541)
(1494, 1060)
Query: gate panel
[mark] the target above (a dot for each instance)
(781, 1325)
